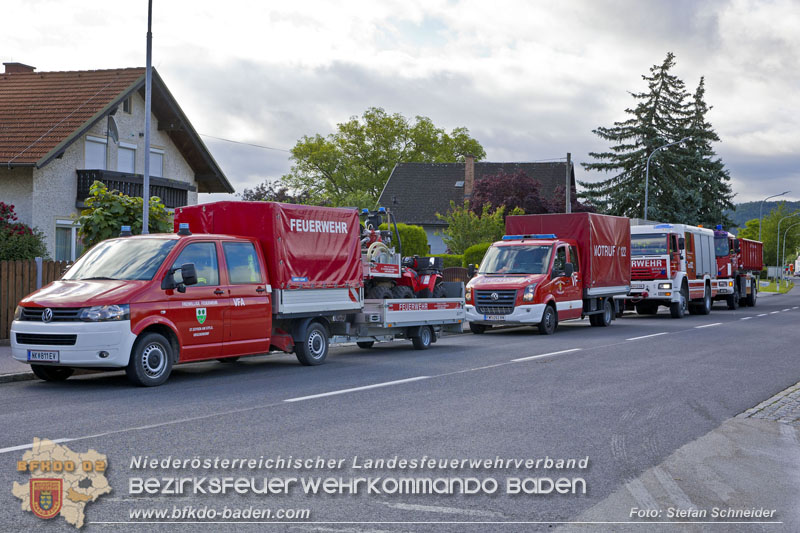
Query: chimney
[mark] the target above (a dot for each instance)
(469, 175)
(16, 68)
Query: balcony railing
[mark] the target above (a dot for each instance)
(172, 192)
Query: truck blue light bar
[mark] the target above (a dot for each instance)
(663, 226)
(530, 236)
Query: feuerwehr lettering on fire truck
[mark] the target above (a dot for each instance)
(317, 226)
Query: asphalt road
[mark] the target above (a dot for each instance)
(626, 397)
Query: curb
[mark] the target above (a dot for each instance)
(21, 376)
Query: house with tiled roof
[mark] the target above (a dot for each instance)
(415, 192)
(61, 131)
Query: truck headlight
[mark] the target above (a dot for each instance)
(103, 313)
(528, 295)
(17, 313)
(665, 286)
(468, 295)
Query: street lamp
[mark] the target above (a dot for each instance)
(760, 210)
(647, 170)
(785, 233)
(778, 245)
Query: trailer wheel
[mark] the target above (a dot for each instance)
(477, 329)
(751, 298)
(151, 360)
(313, 348)
(549, 321)
(604, 319)
(52, 373)
(424, 339)
(678, 309)
(365, 345)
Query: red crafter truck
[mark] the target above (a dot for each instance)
(739, 265)
(551, 268)
(238, 278)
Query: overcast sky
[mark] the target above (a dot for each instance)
(529, 79)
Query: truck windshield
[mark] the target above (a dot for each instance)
(721, 246)
(127, 259)
(649, 244)
(516, 260)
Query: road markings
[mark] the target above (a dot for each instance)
(356, 389)
(673, 490)
(27, 446)
(646, 336)
(438, 509)
(746, 318)
(709, 325)
(763, 314)
(774, 312)
(532, 357)
(637, 489)
(787, 309)
(795, 307)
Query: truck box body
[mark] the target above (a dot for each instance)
(604, 244)
(305, 247)
(752, 254)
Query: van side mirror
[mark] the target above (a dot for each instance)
(471, 270)
(681, 243)
(736, 246)
(189, 274)
(569, 269)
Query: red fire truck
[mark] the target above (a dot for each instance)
(739, 265)
(253, 277)
(551, 268)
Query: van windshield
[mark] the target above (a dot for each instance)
(128, 259)
(649, 244)
(533, 259)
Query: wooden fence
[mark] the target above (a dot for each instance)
(17, 280)
(455, 274)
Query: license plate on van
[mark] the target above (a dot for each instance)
(43, 356)
(494, 317)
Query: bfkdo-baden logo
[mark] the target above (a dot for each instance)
(61, 481)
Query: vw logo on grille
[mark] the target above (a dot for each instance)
(47, 315)
(494, 296)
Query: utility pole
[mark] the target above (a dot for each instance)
(148, 82)
(568, 193)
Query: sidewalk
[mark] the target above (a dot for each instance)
(11, 370)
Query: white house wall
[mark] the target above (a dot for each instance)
(435, 241)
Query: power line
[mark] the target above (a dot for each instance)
(246, 144)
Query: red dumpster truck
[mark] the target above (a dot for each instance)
(238, 278)
(739, 265)
(551, 268)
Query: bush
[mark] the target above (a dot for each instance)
(414, 239)
(18, 241)
(474, 254)
(450, 260)
(465, 228)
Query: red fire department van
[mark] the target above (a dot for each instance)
(551, 268)
(238, 278)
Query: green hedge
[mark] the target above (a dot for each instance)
(474, 254)
(451, 260)
(414, 239)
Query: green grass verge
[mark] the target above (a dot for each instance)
(785, 287)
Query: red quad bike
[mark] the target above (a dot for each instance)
(422, 277)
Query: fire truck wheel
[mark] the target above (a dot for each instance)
(313, 349)
(365, 345)
(151, 360)
(604, 319)
(424, 339)
(379, 292)
(477, 329)
(678, 309)
(402, 291)
(705, 307)
(733, 299)
(438, 290)
(751, 298)
(549, 321)
(52, 373)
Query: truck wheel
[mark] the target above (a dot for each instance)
(52, 373)
(379, 292)
(151, 360)
(402, 291)
(646, 308)
(604, 319)
(438, 290)
(549, 321)
(313, 349)
(365, 345)
(424, 339)
(678, 309)
(705, 307)
(733, 299)
(751, 298)
(477, 329)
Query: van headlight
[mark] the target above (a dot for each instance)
(103, 313)
(468, 295)
(665, 286)
(528, 295)
(18, 313)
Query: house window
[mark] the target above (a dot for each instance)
(95, 153)
(126, 105)
(126, 158)
(68, 245)
(156, 162)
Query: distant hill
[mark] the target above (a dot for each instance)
(749, 210)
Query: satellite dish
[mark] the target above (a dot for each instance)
(113, 132)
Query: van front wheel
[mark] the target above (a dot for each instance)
(151, 360)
